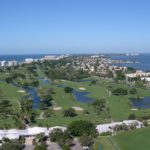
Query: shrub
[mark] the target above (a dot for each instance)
(106, 134)
(40, 147)
(99, 106)
(56, 134)
(48, 113)
(144, 117)
(86, 140)
(78, 128)
(86, 111)
(11, 146)
(120, 91)
(66, 147)
(68, 89)
(122, 127)
(93, 82)
(69, 112)
(120, 75)
(132, 127)
(132, 117)
(133, 91)
(145, 123)
(62, 138)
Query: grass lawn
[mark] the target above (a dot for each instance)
(9, 122)
(133, 140)
(3, 75)
(119, 105)
(58, 120)
(66, 100)
(10, 92)
(105, 144)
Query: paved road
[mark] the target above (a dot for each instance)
(28, 147)
(41, 115)
(77, 145)
(54, 146)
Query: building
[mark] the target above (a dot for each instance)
(3, 63)
(50, 58)
(12, 63)
(29, 60)
(141, 74)
(29, 132)
(109, 127)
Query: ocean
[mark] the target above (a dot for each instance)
(143, 59)
(20, 58)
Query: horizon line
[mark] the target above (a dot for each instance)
(77, 53)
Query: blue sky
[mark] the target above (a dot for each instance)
(74, 26)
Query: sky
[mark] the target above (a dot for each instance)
(74, 26)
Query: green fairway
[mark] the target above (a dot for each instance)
(116, 107)
(119, 105)
(133, 140)
(10, 92)
(59, 120)
(66, 100)
(105, 143)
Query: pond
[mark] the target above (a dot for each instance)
(82, 96)
(61, 85)
(141, 103)
(45, 81)
(34, 95)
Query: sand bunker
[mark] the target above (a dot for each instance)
(76, 108)
(21, 91)
(134, 109)
(57, 108)
(82, 88)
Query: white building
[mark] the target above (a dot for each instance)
(29, 60)
(146, 79)
(50, 57)
(109, 127)
(29, 132)
(138, 73)
(3, 63)
(95, 56)
(12, 63)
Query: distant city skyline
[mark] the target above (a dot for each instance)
(79, 26)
